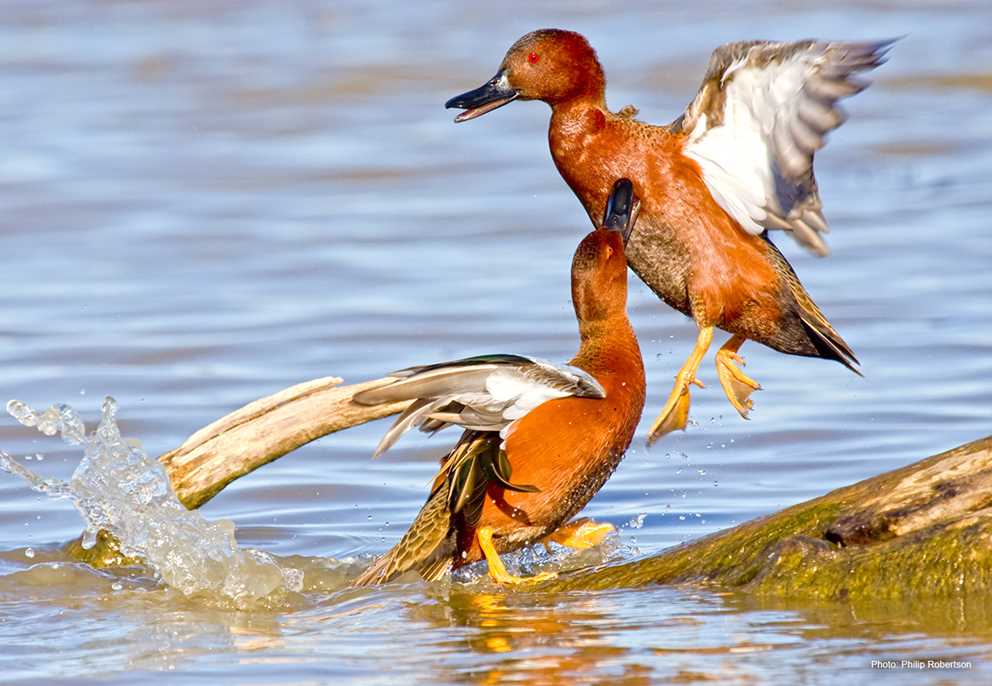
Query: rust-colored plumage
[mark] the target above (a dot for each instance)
(701, 242)
(496, 493)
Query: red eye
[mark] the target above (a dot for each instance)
(533, 58)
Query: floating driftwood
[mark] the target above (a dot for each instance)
(263, 431)
(922, 529)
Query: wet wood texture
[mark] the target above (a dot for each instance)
(923, 529)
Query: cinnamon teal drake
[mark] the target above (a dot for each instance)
(540, 439)
(736, 163)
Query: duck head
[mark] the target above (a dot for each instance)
(599, 268)
(552, 65)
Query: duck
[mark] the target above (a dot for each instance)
(539, 439)
(735, 164)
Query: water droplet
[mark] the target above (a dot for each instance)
(117, 586)
(29, 552)
(637, 521)
(681, 518)
(89, 538)
(21, 412)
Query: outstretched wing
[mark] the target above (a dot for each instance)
(485, 393)
(762, 112)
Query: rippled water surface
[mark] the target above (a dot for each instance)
(203, 203)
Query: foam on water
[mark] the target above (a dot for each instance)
(117, 487)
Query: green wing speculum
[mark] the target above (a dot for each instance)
(458, 493)
(472, 471)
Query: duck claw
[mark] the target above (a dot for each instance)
(737, 385)
(675, 415)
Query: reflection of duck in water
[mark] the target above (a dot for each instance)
(543, 638)
(737, 162)
(540, 439)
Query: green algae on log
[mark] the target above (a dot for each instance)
(924, 529)
(105, 552)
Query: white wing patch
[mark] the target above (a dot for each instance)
(761, 114)
(484, 397)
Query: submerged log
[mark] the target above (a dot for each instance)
(924, 529)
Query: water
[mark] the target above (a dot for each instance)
(207, 202)
(119, 489)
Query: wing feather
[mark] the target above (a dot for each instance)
(485, 393)
(762, 112)
(458, 490)
(415, 415)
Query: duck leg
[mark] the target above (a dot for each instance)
(736, 384)
(580, 534)
(675, 414)
(497, 571)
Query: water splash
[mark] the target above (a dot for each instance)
(117, 487)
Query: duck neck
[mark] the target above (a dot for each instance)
(573, 135)
(608, 346)
(579, 114)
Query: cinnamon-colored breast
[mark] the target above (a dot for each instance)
(568, 448)
(685, 247)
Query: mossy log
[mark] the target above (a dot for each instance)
(924, 529)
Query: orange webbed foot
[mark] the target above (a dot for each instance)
(737, 385)
(581, 534)
(497, 570)
(675, 414)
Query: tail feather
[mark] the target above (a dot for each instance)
(819, 331)
(429, 544)
(435, 571)
(422, 546)
(829, 344)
